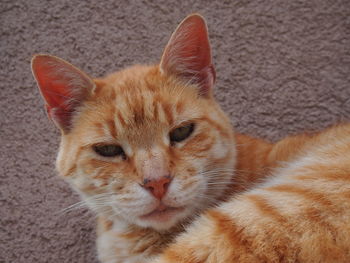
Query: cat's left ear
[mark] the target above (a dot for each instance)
(63, 87)
(188, 54)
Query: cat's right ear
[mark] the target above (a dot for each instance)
(188, 55)
(63, 87)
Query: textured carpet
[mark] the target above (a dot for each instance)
(283, 67)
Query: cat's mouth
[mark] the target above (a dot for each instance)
(162, 213)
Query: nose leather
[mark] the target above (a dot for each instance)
(157, 187)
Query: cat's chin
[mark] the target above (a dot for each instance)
(162, 218)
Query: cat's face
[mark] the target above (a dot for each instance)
(154, 127)
(142, 145)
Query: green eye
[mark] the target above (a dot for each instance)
(181, 133)
(109, 150)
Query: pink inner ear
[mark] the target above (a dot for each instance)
(188, 53)
(54, 90)
(62, 85)
(196, 49)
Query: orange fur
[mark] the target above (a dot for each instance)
(282, 202)
(300, 214)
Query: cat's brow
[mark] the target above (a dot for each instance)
(96, 139)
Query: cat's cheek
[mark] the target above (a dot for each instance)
(82, 184)
(220, 150)
(184, 192)
(83, 181)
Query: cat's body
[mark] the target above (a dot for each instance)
(300, 214)
(149, 149)
(302, 227)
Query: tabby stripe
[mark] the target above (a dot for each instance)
(315, 216)
(105, 224)
(188, 183)
(281, 248)
(180, 254)
(121, 119)
(180, 107)
(267, 209)
(139, 111)
(91, 189)
(150, 86)
(133, 234)
(336, 176)
(99, 129)
(112, 128)
(155, 110)
(143, 247)
(217, 126)
(346, 195)
(101, 163)
(305, 193)
(167, 108)
(196, 145)
(311, 213)
(104, 175)
(234, 234)
(138, 117)
(71, 171)
(113, 95)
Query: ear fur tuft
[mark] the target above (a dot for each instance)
(188, 54)
(63, 87)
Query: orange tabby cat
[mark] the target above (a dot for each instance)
(148, 149)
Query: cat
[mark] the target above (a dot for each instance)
(151, 152)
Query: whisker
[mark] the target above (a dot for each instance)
(98, 200)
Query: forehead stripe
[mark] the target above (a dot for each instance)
(120, 118)
(112, 128)
(168, 110)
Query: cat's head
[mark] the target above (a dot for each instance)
(148, 145)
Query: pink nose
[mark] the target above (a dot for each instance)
(157, 187)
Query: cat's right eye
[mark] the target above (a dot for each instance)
(109, 150)
(181, 133)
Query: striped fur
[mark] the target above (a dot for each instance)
(299, 214)
(232, 198)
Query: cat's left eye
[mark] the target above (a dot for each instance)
(109, 150)
(181, 133)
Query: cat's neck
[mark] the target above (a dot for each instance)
(256, 158)
(252, 164)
